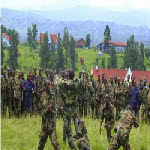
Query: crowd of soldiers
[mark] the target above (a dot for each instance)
(71, 98)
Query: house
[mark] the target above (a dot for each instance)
(6, 39)
(52, 38)
(121, 73)
(80, 43)
(118, 46)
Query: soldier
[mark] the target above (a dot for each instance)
(69, 89)
(82, 141)
(35, 73)
(18, 96)
(39, 90)
(103, 75)
(112, 93)
(148, 98)
(10, 93)
(29, 89)
(4, 85)
(144, 103)
(47, 74)
(118, 94)
(48, 118)
(122, 130)
(30, 71)
(108, 115)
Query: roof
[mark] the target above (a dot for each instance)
(80, 42)
(6, 36)
(41, 37)
(53, 38)
(116, 43)
(121, 73)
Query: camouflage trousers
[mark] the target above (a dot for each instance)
(3, 106)
(121, 138)
(82, 142)
(43, 138)
(38, 103)
(80, 104)
(17, 106)
(118, 109)
(144, 113)
(108, 129)
(10, 106)
(34, 103)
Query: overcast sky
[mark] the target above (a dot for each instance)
(61, 4)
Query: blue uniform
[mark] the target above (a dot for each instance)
(134, 99)
(28, 85)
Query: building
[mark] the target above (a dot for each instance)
(52, 38)
(118, 46)
(6, 39)
(80, 43)
(121, 73)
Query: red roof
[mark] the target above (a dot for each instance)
(121, 73)
(116, 43)
(53, 38)
(41, 37)
(6, 36)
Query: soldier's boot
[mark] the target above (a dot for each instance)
(72, 145)
(86, 147)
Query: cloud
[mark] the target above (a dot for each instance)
(61, 4)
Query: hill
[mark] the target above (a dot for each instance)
(29, 59)
(79, 27)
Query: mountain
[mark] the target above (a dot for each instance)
(78, 27)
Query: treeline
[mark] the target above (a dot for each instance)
(65, 55)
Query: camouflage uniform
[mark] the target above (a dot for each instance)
(148, 99)
(108, 115)
(18, 93)
(4, 85)
(10, 95)
(39, 91)
(34, 98)
(83, 139)
(48, 122)
(69, 89)
(118, 102)
(122, 130)
(144, 104)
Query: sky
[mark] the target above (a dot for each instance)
(62, 4)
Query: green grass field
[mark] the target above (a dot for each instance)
(29, 59)
(23, 134)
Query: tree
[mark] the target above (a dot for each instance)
(107, 37)
(97, 60)
(113, 58)
(88, 41)
(142, 56)
(29, 37)
(2, 51)
(147, 52)
(60, 61)
(34, 32)
(72, 52)
(127, 55)
(13, 50)
(103, 62)
(44, 53)
(66, 47)
(109, 64)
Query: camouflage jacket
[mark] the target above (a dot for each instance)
(143, 97)
(108, 114)
(39, 84)
(48, 118)
(11, 83)
(18, 87)
(4, 86)
(127, 119)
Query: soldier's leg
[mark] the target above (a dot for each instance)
(76, 124)
(108, 134)
(31, 109)
(69, 133)
(25, 105)
(10, 106)
(114, 145)
(53, 140)
(64, 128)
(19, 107)
(126, 144)
(43, 138)
(85, 107)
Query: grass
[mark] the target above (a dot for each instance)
(29, 59)
(23, 134)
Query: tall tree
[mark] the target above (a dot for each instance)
(113, 57)
(66, 47)
(88, 41)
(2, 50)
(34, 32)
(147, 52)
(142, 56)
(44, 53)
(127, 55)
(103, 62)
(60, 61)
(107, 37)
(72, 52)
(13, 50)
(29, 38)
